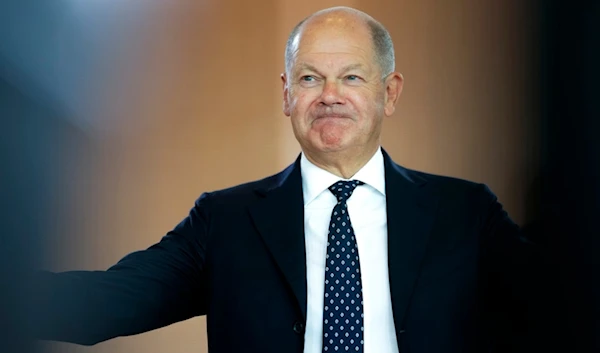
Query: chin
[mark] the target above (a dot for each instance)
(330, 146)
(334, 137)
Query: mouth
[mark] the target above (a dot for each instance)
(332, 116)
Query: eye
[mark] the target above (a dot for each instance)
(307, 78)
(353, 79)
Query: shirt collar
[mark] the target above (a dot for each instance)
(316, 180)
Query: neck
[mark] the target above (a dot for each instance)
(344, 164)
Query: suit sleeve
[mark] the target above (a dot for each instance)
(505, 242)
(518, 285)
(145, 290)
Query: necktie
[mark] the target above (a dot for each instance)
(343, 304)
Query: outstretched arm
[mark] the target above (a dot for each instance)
(145, 290)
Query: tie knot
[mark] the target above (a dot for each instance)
(344, 189)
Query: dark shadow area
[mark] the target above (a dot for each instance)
(566, 199)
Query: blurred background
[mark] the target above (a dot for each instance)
(117, 115)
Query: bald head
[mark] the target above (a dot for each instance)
(383, 47)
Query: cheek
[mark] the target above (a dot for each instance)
(301, 102)
(369, 106)
(299, 107)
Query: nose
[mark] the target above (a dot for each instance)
(332, 93)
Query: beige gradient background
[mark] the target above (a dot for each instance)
(198, 108)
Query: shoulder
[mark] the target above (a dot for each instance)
(454, 186)
(460, 199)
(443, 185)
(245, 193)
(453, 194)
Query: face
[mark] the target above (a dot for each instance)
(334, 92)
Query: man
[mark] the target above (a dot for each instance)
(342, 251)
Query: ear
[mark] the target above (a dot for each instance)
(286, 91)
(393, 89)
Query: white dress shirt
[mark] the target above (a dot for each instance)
(368, 215)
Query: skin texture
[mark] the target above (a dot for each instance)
(335, 93)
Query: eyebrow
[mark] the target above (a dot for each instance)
(352, 67)
(306, 66)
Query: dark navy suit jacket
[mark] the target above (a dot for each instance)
(455, 264)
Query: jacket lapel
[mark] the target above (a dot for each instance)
(410, 215)
(279, 218)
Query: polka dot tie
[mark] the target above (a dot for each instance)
(343, 304)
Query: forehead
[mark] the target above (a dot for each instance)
(332, 40)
